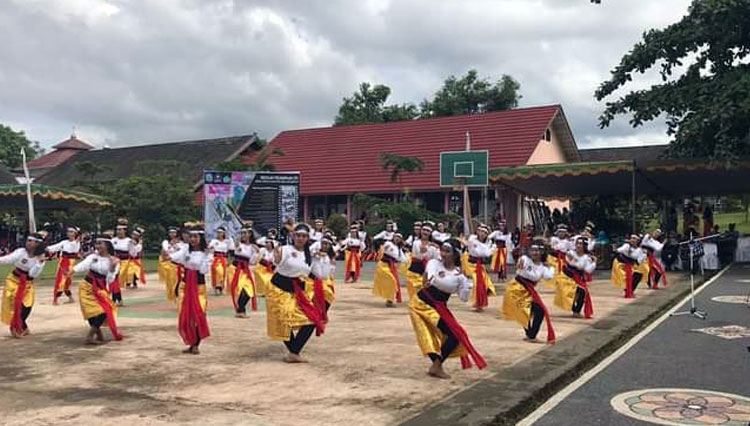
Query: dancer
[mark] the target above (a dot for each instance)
(416, 234)
(382, 237)
(242, 285)
(354, 247)
(422, 251)
(573, 292)
(97, 306)
(629, 266)
(439, 335)
(67, 251)
(559, 245)
(522, 303)
(322, 271)
(220, 247)
(291, 315)
(122, 245)
(316, 234)
(479, 254)
(441, 235)
(171, 270)
(503, 245)
(18, 295)
(265, 270)
(387, 283)
(192, 322)
(653, 245)
(136, 272)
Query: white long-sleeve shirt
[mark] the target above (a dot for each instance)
(265, 254)
(431, 252)
(652, 243)
(221, 246)
(122, 244)
(384, 235)
(136, 249)
(497, 236)
(322, 266)
(353, 243)
(534, 272)
(66, 247)
(634, 253)
(478, 248)
(195, 260)
(440, 237)
(21, 259)
(390, 249)
(292, 263)
(582, 263)
(561, 244)
(102, 265)
(448, 281)
(248, 251)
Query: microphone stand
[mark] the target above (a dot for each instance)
(693, 311)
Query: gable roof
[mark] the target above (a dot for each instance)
(646, 153)
(6, 177)
(74, 143)
(62, 151)
(345, 159)
(121, 162)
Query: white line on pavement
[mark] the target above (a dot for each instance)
(556, 399)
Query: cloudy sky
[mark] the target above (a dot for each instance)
(132, 72)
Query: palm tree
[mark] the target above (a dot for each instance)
(398, 164)
(260, 162)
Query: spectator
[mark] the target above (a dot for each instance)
(708, 220)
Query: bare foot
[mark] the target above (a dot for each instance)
(55, 302)
(577, 315)
(188, 350)
(294, 359)
(70, 300)
(25, 332)
(436, 370)
(478, 309)
(240, 315)
(195, 351)
(530, 340)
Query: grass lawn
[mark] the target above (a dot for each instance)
(48, 274)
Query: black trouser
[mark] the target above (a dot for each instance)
(579, 299)
(655, 281)
(198, 337)
(117, 297)
(449, 345)
(25, 312)
(637, 277)
(242, 302)
(535, 321)
(98, 320)
(296, 343)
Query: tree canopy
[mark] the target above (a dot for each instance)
(465, 95)
(11, 142)
(398, 164)
(705, 89)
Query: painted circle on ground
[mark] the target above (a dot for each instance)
(679, 407)
(732, 299)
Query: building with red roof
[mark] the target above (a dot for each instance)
(338, 162)
(61, 153)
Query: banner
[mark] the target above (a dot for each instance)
(267, 198)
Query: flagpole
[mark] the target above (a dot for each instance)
(467, 202)
(29, 195)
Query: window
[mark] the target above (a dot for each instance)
(548, 135)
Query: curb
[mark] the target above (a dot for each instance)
(518, 390)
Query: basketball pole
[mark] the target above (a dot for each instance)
(467, 201)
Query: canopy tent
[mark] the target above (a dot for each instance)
(669, 178)
(13, 198)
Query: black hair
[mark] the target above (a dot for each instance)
(41, 245)
(456, 246)
(202, 244)
(108, 243)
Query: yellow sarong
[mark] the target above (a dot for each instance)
(517, 304)
(90, 308)
(385, 285)
(424, 319)
(282, 314)
(9, 296)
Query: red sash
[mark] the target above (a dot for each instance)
(141, 273)
(16, 323)
(192, 323)
(481, 292)
(114, 286)
(310, 311)
(588, 304)
(268, 265)
(106, 305)
(394, 272)
(319, 298)
(218, 260)
(560, 260)
(654, 267)
(628, 268)
(447, 316)
(501, 261)
(529, 286)
(243, 267)
(62, 269)
(353, 258)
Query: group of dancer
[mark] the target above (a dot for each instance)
(297, 279)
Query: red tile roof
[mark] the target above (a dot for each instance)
(62, 151)
(73, 143)
(345, 159)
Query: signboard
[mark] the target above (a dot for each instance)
(267, 198)
(469, 168)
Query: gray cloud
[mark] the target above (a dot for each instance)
(127, 72)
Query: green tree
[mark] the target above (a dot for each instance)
(398, 164)
(11, 142)
(471, 94)
(705, 90)
(368, 106)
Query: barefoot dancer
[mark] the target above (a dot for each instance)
(422, 251)
(18, 295)
(96, 304)
(629, 267)
(220, 246)
(354, 247)
(170, 268)
(503, 245)
(191, 300)
(122, 244)
(291, 315)
(67, 251)
(321, 275)
(439, 335)
(480, 252)
(653, 246)
(573, 284)
(522, 303)
(242, 285)
(387, 282)
(136, 273)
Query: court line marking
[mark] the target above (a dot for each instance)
(560, 396)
